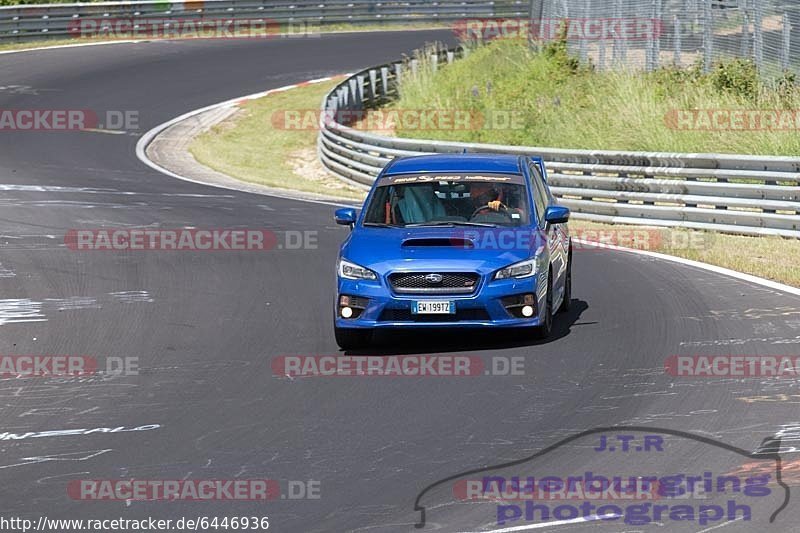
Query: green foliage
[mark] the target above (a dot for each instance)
(787, 89)
(557, 102)
(558, 52)
(738, 77)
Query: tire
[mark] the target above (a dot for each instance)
(542, 332)
(567, 301)
(352, 339)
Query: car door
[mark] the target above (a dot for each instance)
(562, 229)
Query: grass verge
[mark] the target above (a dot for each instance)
(554, 101)
(248, 147)
(773, 258)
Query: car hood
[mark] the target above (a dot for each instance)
(385, 250)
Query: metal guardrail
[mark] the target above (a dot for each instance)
(31, 22)
(750, 195)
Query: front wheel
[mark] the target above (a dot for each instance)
(352, 339)
(542, 332)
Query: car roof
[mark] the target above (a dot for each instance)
(492, 163)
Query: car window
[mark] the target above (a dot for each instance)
(494, 200)
(539, 192)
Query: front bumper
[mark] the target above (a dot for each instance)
(483, 309)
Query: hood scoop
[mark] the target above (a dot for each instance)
(438, 242)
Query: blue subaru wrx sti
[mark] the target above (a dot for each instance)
(454, 241)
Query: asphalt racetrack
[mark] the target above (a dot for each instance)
(205, 327)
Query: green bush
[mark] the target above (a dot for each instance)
(738, 77)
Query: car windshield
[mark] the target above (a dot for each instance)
(433, 200)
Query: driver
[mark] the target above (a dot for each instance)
(484, 193)
(487, 196)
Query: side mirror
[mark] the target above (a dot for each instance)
(345, 216)
(556, 214)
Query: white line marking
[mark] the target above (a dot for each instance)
(697, 264)
(132, 296)
(81, 456)
(17, 311)
(5, 436)
(100, 130)
(147, 138)
(720, 525)
(38, 48)
(580, 520)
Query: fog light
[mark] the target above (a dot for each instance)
(347, 312)
(527, 311)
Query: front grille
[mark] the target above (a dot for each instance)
(422, 283)
(404, 315)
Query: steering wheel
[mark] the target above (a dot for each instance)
(502, 211)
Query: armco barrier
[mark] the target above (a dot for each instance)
(31, 22)
(750, 195)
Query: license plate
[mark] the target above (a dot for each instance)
(433, 308)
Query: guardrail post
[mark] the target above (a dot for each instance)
(352, 86)
(385, 81)
(398, 74)
(373, 82)
(360, 82)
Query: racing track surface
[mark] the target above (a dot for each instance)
(206, 325)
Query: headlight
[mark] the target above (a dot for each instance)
(523, 269)
(350, 270)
